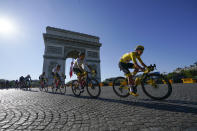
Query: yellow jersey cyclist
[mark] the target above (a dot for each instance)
(79, 68)
(124, 65)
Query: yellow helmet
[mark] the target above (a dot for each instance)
(139, 47)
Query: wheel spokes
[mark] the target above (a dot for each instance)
(120, 87)
(75, 88)
(93, 88)
(157, 87)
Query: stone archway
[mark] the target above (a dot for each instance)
(72, 54)
(62, 44)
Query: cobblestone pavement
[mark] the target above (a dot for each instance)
(35, 110)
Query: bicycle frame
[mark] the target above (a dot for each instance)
(59, 82)
(147, 81)
(140, 78)
(149, 69)
(89, 82)
(85, 77)
(43, 82)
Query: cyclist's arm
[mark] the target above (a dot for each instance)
(63, 76)
(80, 66)
(141, 62)
(133, 58)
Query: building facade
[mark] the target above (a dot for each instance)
(62, 44)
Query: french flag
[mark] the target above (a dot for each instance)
(71, 68)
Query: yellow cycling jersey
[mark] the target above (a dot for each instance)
(132, 56)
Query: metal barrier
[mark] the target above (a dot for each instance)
(188, 80)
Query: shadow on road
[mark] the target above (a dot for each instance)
(30, 90)
(151, 104)
(58, 93)
(175, 101)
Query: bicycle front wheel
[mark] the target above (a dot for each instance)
(75, 88)
(120, 87)
(29, 85)
(63, 89)
(53, 88)
(41, 88)
(156, 86)
(93, 88)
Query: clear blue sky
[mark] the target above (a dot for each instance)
(167, 29)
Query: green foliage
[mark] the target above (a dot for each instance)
(176, 77)
(35, 83)
(109, 80)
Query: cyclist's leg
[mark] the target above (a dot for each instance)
(125, 68)
(79, 74)
(54, 80)
(58, 78)
(80, 78)
(42, 84)
(133, 89)
(22, 83)
(53, 76)
(135, 71)
(132, 74)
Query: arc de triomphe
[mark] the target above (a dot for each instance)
(62, 44)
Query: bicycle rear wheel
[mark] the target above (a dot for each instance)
(156, 86)
(75, 88)
(120, 87)
(93, 88)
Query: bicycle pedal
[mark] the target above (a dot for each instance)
(133, 94)
(81, 91)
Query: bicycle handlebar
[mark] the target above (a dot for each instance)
(149, 68)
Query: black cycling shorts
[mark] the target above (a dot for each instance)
(125, 67)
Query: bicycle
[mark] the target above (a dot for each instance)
(44, 85)
(21, 84)
(88, 81)
(154, 85)
(27, 84)
(59, 85)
